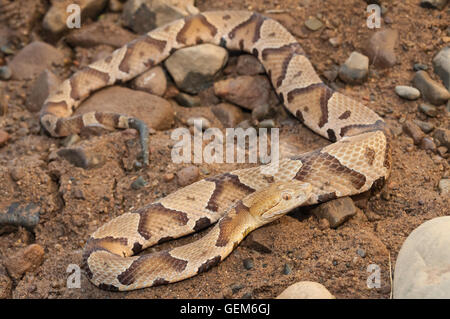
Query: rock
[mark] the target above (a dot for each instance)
(101, 32)
(443, 136)
(335, 41)
(428, 110)
(306, 290)
(427, 143)
(313, 24)
(433, 4)
(47, 82)
(248, 263)
(441, 64)
(5, 73)
(5, 284)
(442, 150)
(422, 266)
(193, 69)
(228, 114)
(430, 89)
(4, 137)
(34, 59)
(55, 20)
(286, 269)
(331, 75)
(249, 65)
(187, 175)
(381, 48)
(246, 91)
(200, 123)
(82, 157)
(336, 211)
(145, 15)
(188, 100)
(361, 252)
(139, 183)
(420, 66)
(152, 81)
(27, 259)
(424, 126)
(155, 111)
(414, 131)
(355, 69)
(407, 92)
(444, 186)
(168, 177)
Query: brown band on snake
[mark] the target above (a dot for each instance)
(326, 197)
(151, 263)
(86, 81)
(228, 224)
(156, 212)
(369, 153)
(144, 48)
(317, 161)
(201, 223)
(353, 129)
(159, 282)
(316, 93)
(208, 264)
(345, 115)
(251, 26)
(286, 53)
(227, 186)
(198, 28)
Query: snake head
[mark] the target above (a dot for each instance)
(278, 199)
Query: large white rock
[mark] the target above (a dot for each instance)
(306, 290)
(422, 269)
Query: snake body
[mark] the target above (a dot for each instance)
(359, 158)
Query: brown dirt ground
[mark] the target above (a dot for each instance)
(326, 256)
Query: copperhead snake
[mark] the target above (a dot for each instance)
(241, 200)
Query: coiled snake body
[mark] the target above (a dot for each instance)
(242, 199)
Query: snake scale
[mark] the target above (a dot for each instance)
(241, 200)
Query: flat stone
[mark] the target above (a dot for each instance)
(249, 65)
(428, 110)
(228, 114)
(414, 131)
(424, 126)
(407, 92)
(47, 82)
(246, 91)
(313, 24)
(188, 175)
(152, 81)
(431, 90)
(155, 111)
(33, 59)
(101, 32)
(305, 290)
(441, 64)
(355, 69)
(193, 69)
(444, 186)
(423, 263)
(336, 211)
(26, 259)
(381, 48)
(55, 20)
(433, 4)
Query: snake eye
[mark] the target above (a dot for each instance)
(286, 196)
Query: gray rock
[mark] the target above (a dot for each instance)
(249, 65)
(313, 24)
(228, 114)
(187, 175)
(55, 20)
(407, 92)
(145, 15)
(287, 269)
(101, 32)
(34, 59)
(427, 143)
(155, 111)
(444, 186)
(139, 183)
(381, 48)
(355, 69)
(431, 90)
(422, 267)
(193, 69)
(414, 131)
(246, 91)
(5, 73)
(441, 64)
(428, 110)
(248, 263)
(305, 290)
(424, 126)
(188, 100)
(433, 4)
(336, 211)
(152, 81)
(443, 136)
(46, 83)
(420, 66)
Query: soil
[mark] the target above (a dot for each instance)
(76, 201)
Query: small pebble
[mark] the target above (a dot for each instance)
(420, 66)
(168, 177)
(313, 24)
(428, 110)
(248, 263)
(407, 92)
(424, 126)
(138, 183)
(5, 73)
(361, 252)
(287, 269)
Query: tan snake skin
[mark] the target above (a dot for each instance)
(359, 157)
